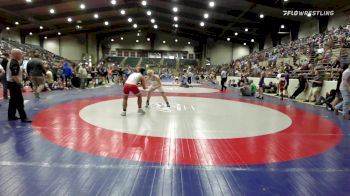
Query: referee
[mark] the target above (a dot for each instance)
(14, 82)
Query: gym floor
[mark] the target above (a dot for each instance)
(206, 143)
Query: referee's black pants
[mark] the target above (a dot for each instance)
(223, 81)
(16, 102)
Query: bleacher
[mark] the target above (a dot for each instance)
(115, 60)
(188, 62)
(150, 61)
(131, 61)
(171, 63)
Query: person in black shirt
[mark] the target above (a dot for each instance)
(301, 87)
(14, 81)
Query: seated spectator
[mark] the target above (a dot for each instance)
(248, 89)
(271, 88)
(301, 87)
(328, 99)
(316, 87)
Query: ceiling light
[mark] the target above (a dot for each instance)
(176, 18)
(211, 4)
(282, 26)
(30, 33)
(144, 3)
(41, 27)
(176, 40)
(121, 38)
(261, 16)
(149, 13)
(79, 27)
(309, 15)
(175, 9)
(153, 21)
(59, 33)
(129, 19)
(228, 39)
(82, 6)
(244, 43)
(137, 41)
(28, 1)
(236, 33)
(8, 28)
(252, 40)
(206, 15)
(138, 34)
(246, 29)
(148, 39)
(176, 25)
(155, 26)
(135, 25)
(106, 23)
(96, 16)
(164, 42)
(112, 40)
(45, 37)
(189, 43)
(285, 0)
(69, 19)
(202, 24)
(113, 2)
(122, 12)
(52, 11)
(16, 23)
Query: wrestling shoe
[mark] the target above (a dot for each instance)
(140, 111)
(147, 104)
(123, 113)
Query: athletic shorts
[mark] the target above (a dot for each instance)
(131, 88)
(153, 88)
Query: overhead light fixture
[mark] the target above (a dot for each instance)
(30, 33)
(113, 2)
(189, 43)
(138, 34)
(59, 33)
(309, 15)
(153, 21)
(176, 18)
(41, 27)
(129, 19)
(112, 40)
(45, 37)
(228, 39)
(176, 25)
(69, 19)
(285, 0)
(206, 15)
(28, 1)
(122, 12)
(106, 23)
(135, 26)
(96, 16)
(244, 43)
(52, 11)
(261, 16)
(8, 28)
(144, 3)
(82, 6)
(121, 38)
(137, 41)
(164, 42)
(148, 39)
(16, 23)
(176, 40)
(236, 33)
(155, 26)
(282, 26)
(202, 24)
(211, 4)
(175, 9)
(246, 29)
(252, 40)
(149, 13)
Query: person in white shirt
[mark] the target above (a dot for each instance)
(2, 71)
(131, 86)
(223, 79)
(155, 85)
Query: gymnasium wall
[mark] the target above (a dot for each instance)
(220, 52)
(268, 42)
(339, 19)
(240, 50)
(32, 39)
(11, 34)
(308, 28)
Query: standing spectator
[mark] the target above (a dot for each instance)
(4, 63)
(316, 84)
(262, 84)
(83, 75)
(223, 79)
(14, 81)
(50, 79)
(67, 74)
(302, 86)
(345, 92)
(36, 73)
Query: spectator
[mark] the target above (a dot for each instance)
(83, 75)
(4, 63)
(49, 79)
(67, 74)
(328, 99)
(316, 87)
(301, 87)
(345, 92)
(36, 73)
